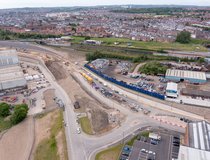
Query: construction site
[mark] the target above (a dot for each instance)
(58, 81)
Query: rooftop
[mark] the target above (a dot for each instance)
(186, 74)
(187, 153)
(8, 57)
(199, 135)
(11, 74)
(171, 86)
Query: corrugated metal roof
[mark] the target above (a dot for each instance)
(187, 153)
(11, 73)
(186, 74)
(200, 130)
(199, 135)
(195, 136)
(11, 77)
(8, 57)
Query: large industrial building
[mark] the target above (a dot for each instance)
(183, 75)
(197, 142)
(188, 153)
(11, 74)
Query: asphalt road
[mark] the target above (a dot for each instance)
(84, 147)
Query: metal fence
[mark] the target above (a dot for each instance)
(124, 84)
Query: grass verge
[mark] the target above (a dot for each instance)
(132, 140)
(110, 154)
(47, 149)
(86, 125)
(4, 124)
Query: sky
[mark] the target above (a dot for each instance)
(69, 3)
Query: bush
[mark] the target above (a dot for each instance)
(20, 113)
(87, 38)
(153, 68)
(183, 37)
(4, 109)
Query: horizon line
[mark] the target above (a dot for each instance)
(30, 7)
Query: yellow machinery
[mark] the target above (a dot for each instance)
(88, 78)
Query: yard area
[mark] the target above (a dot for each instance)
(110, 154)
(86, 125)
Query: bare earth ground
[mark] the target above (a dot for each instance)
(56, 68)
(16, 143)
(48, 97)
(87, 103)
(42, 128)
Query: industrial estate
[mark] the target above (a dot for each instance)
(112, 95)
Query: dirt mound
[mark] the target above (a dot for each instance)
(57, 69)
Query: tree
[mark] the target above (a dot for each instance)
(87, 37)
(20, 113)
(183, 37)
(4, 109)
(74, 29)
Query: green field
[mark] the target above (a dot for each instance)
(86, 125)
(195, 45)
(110, 154)
(47, 150)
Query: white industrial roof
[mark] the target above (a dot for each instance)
(11, 73)
(172, 86)
(199, 135)
(187, 153)
(186, 74)
(8, 57)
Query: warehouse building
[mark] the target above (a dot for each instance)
(197, 142)
(172, 90)
(188, 153)
(198, 135)
(183, 75)
(11, 74)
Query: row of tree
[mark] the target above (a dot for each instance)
(8, 35)
(138, 59)
(18, 114)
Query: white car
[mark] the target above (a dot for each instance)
(151, 152)
(78, 131)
